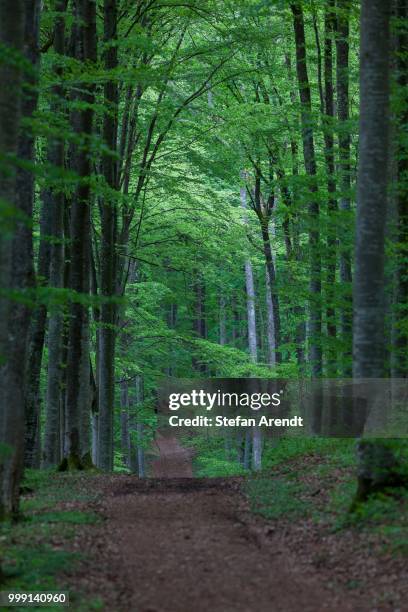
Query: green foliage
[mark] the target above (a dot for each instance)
(34, 569)
(208, 466)
(340, 451)
(210, 459)
(274, 498)
(70, 516)
(30, 561)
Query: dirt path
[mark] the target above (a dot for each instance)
(174, 461)
(190, 545)
(180, 544)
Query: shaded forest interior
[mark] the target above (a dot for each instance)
(196, 189)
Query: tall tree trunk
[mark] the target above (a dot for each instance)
(36, 336)
(253, 351)
(108, 256)
(250, 296)
(315, 318)
(77, 405)
(55, 201)
(17, 20)
(328, 117)
(274, 298)
(376, 462)
(368, 296)
(342, 81)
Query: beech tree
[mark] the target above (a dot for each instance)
(369, 302)
(315, 321)
(16, 274)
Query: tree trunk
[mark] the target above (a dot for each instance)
(342, 79)
(251, 314)
(55, 201)
(270, 269)
(108, 256)
(250, 296)
(315, 317)
(270, 326)
(328, 118)
(36, 336)
(16, 259)
(368, 339)
(140, 451)
(257, 449)
(77, 405)
(368, 288)
(124, 422)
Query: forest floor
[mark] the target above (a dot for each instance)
(174, 543)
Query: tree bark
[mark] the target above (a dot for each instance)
(108, 255)
(368, 289)
(328, 118)
(77, 405)
(250, 297)
(270, 269)
(315, 317)
(55, 201)
(16, 260)
(36, 336)
(342, 81)
(124, 422)
(270, 326)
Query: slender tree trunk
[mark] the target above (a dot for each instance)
(342, 81)
(140, 451)
(251, 313)
(16, 257)
(270, 326)
(136, 441)
(77, 405)
(328, 118)
(250, 297)
(270, 269)
(257, 449)
(315, 318)
(108, 255)
(124, 422)
(36, 336)
(55, 201)
(253, 351)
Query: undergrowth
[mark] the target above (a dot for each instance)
(35, 550)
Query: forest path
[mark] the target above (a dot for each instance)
(192, 545)
(174, 461)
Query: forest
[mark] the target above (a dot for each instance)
(208, 189)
